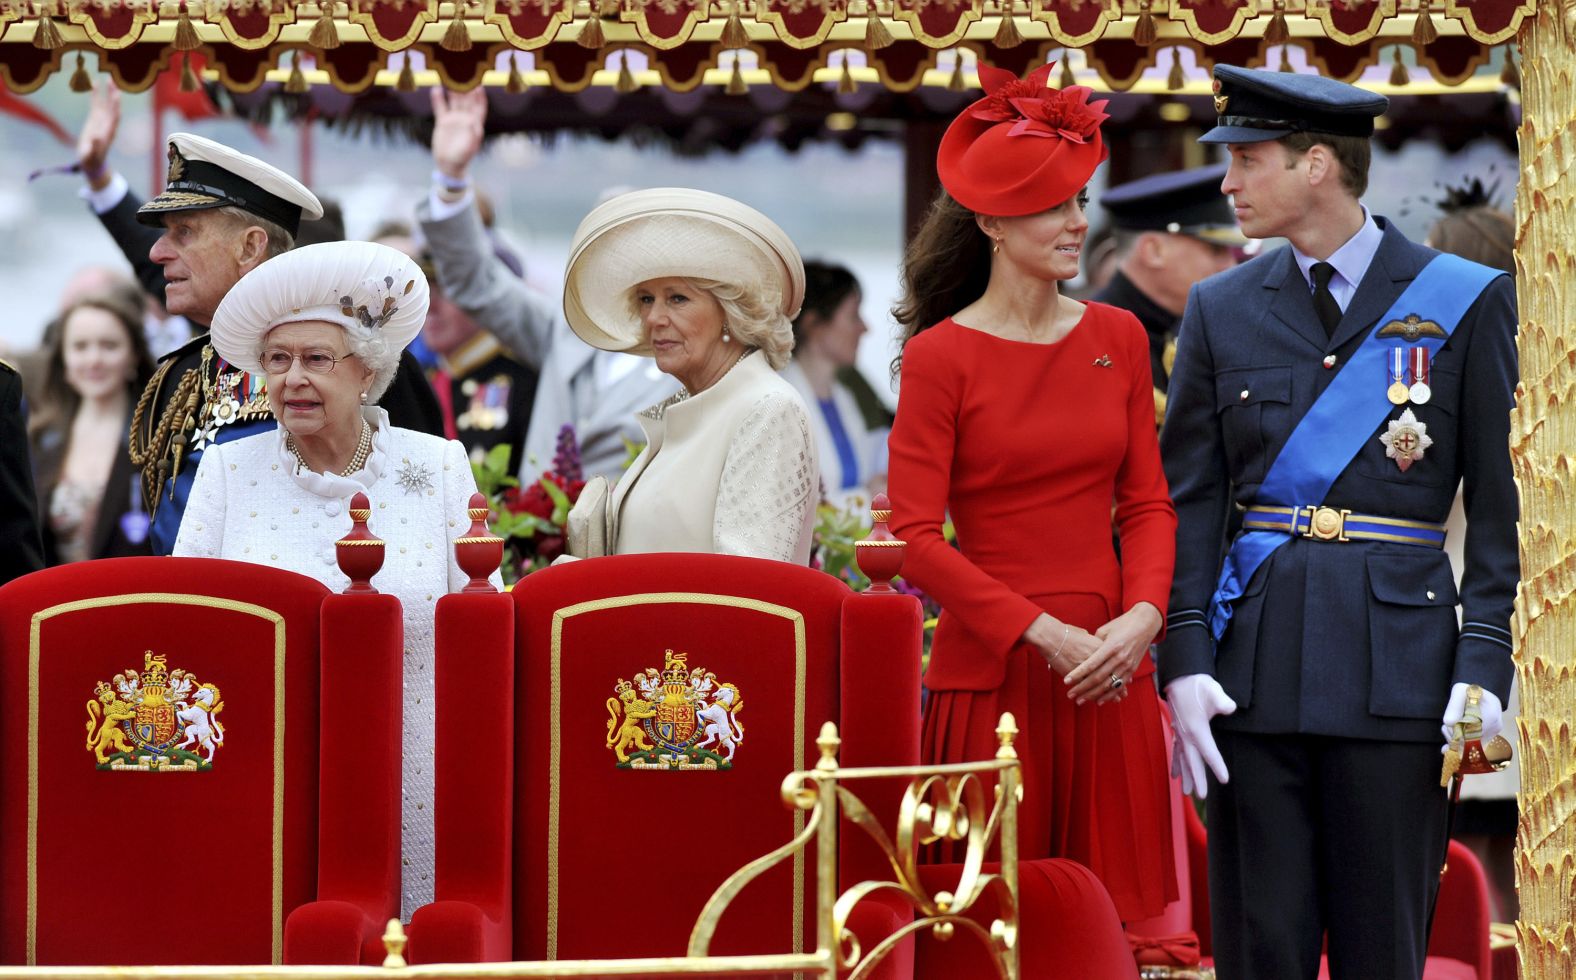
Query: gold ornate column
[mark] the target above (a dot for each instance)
(1543, 450)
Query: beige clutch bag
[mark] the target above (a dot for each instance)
(588, 532)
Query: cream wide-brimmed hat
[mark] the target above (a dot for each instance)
(373, 291)
(672, 231)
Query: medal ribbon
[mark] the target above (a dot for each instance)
(1420, 365)
(1342, 419)
(1397, 365)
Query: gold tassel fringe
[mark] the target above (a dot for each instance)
(186, 38)
(188, 77)
(1398, 73)
(845, 81)
(736, 83)
(876, 34)
(606, 8)
(1007, 35)
(80, 82)
(296, 83)
(516, 83)
(955, 83)
(625, 83)
(1423, 31)
(1176, 79)
(1285, 62)
(1068, 79)
(1277, 32)
(1509, 75)
(1145, 32)
(591, 35)
(407, 77)
(733, 33)
(458, 36)
(47, 37)
(325, 33)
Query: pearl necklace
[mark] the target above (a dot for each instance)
(357, 460)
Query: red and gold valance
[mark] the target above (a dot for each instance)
(683, 39)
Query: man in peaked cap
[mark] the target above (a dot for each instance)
(1172, 230)
(1337, 390)
(221, 214)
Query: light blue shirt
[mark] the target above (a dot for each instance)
(1351, 261)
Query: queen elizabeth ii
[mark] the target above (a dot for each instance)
(323, 326)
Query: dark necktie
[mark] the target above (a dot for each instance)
(1323, 300)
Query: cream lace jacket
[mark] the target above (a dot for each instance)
(249, 502)
(730, 471)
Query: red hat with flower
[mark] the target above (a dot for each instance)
(1025, 147)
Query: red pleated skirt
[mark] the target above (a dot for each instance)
(1096, 782)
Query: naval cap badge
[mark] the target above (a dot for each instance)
(1405, 440)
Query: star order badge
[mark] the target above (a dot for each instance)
(415, 477)
(675, 719)
(155, 720)
(1406, 440)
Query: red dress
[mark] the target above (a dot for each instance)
(1029, 447)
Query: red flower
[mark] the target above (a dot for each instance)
(1039, 109)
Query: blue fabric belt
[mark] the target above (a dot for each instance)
(1329, 524)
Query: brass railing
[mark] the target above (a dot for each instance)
(944, 803)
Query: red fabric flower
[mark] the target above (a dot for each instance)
(1039, 109)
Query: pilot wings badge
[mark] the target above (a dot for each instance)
(1412, 328)
(675, 719)
(155, 720)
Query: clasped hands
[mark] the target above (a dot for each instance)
(1088, 662)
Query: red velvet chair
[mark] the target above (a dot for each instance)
(616, 860)
(1458, 947)
(282, 849)
(199, 865)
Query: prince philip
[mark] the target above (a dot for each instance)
(1336, 391)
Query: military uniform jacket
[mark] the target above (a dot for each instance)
(1354, 638)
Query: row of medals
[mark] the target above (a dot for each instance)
(225, 407)
(1408, 376)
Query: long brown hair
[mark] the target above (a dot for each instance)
(946, 267)
(57, 402)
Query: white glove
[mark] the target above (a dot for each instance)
(1194, 700)
(1488, 707)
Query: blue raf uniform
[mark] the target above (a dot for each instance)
(1331, 618)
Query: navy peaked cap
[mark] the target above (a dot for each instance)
(1256, 105)
(1183, 202)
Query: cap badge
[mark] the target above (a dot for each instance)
(1406, 440)
(177, 165)
(1220, 103)
(675, 719)
(1412, 328)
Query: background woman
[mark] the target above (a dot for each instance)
(826, 343)
(1028, 416)
(706, 286)
(96, 363)
(326, 325)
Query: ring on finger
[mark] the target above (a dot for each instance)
(1117, 683)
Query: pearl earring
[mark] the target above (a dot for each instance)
(363, 398)
(725, 337)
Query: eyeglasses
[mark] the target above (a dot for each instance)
(276, 361)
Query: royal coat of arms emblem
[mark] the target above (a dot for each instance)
(155, 720)
(675, 718)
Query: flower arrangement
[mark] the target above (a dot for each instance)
(531, 519)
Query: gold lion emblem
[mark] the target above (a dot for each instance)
(675, 718)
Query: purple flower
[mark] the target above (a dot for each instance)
(566, 460)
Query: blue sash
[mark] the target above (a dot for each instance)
(1343, 418)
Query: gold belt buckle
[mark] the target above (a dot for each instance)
(1326, 523)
